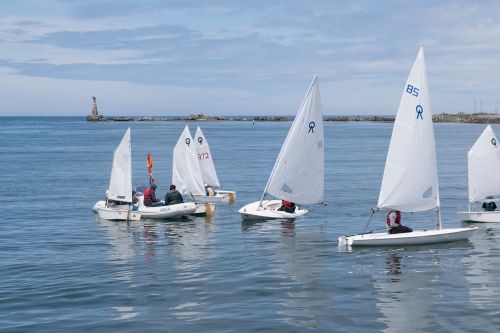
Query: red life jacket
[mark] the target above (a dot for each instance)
(147, 195)
(397, 220)
(287, 203)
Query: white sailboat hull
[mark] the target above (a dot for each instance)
(116, 212)
(268, 211)
(220, 197)
(485, 217)
(170, 211)
(161, 212)
(418, 237)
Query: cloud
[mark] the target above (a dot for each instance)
(262, 48)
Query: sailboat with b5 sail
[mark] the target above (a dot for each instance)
(410, 182)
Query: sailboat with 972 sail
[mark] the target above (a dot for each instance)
(213, 190)
(298, 175)
(118, 204)
(186, 173)
(410, 182)
(484, 182)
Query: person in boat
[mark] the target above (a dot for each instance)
(394, 223)
(173, 197)
(150, 199)
(287, 206)
(209, 190)
(489, 205)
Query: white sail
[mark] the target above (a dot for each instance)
(186, 173)
(410, 180)
(205, 160)
(484, 164)
(120, 182)
(299, 172)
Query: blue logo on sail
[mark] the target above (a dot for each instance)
(311, 127)
(420, 111)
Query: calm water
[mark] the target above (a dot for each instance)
(64, 270)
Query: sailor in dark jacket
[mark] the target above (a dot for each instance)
(394, 223)
(173, 197)
(489, 205)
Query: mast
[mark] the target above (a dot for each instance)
(439, 224)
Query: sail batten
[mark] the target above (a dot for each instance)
(298, 173)
(120, 182)
(410, 180)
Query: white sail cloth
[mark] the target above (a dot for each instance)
(484, 164)
(298, 174)
(120, 182)
(186, 173)
(410, 180)
(207, 167)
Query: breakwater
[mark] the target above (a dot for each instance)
(487, 118)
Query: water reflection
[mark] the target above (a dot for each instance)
(484, 281)
(175, 250)
(120, 237)
(189, 244)
(150, 237)
(121, 251)
(405, 296)
(393, 264)
(300, 299)
(308, 301)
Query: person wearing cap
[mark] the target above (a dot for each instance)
(173, 197)
(150, 199)
(394, 223)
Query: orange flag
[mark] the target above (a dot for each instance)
(150, 164)
(150, 169)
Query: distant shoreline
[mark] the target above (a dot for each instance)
(440, 118)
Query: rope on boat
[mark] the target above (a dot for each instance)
(369, 220)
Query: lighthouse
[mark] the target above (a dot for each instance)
(94, 116)
(94, 108)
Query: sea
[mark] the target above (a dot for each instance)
(62, 269)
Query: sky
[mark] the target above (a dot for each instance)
(243, 57)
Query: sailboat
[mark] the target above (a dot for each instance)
(298, 174)
(118, 204)
(208, 173)
(186, 172)
(484, 184)
(410, 182)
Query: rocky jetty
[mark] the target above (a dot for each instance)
(192, 117)
(477, 118)
(440, 118)
(489, 118)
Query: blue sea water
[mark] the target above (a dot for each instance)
(62, 269)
